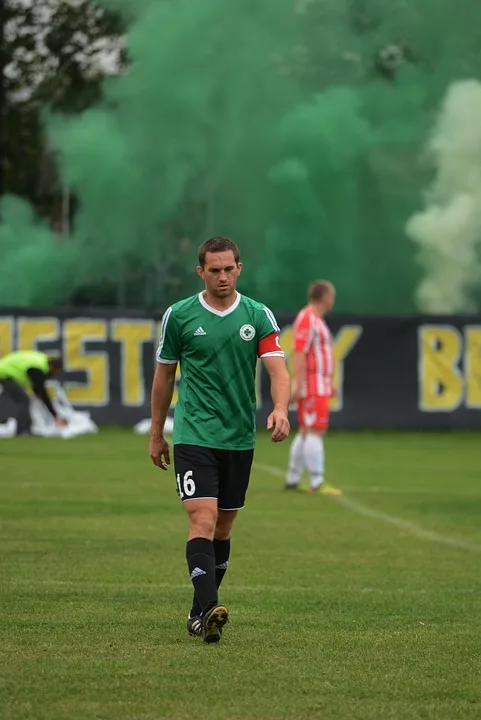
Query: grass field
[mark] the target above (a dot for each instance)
(366, 607)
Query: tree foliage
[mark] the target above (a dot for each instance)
(55, 55)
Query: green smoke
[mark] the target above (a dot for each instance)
(31, 257)
(272, 122)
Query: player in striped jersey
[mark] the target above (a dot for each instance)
(312, 388)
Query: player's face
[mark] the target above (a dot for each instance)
(220, 273)
(329, 300)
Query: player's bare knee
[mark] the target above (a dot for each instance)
(202, 519)
(201, 526)
(225, 521)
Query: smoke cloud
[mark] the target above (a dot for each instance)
(448, 231)
(30, 258)
(270, 122)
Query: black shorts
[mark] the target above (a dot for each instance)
(208, 473)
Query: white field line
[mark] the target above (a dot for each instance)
(373, 489)
(405, 525)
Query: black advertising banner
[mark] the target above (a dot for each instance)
(391, 372)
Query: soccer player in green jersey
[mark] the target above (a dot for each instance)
(217, 337)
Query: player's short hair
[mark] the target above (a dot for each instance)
(318, 289)
(216, 245)
(55, 363)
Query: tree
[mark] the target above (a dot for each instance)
(54, 55)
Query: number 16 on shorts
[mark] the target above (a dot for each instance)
(186, 485)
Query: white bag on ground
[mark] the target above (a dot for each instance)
(8, 429)
(78, 423)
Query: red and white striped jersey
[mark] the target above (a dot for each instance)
(313, 338)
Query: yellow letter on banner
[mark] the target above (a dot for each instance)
(441, 385)
(472, 367)
(6, 335)
(93, 364)
(344, 342)
(132, 334)
(31, 331)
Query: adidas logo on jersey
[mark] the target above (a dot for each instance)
(200, 331)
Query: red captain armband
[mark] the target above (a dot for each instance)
(269, 345)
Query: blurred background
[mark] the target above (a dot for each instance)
(339, 138)
(328, 138)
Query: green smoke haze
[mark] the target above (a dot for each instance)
(268, 122)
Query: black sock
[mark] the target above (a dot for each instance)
(222, 552)
(201, 561)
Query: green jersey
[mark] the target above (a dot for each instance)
(218, 352)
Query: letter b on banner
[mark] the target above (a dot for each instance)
(440, 379)
(449, 368)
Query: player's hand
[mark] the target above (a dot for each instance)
(278, 422)
(60, 422)
(334, 392)
(159, 451)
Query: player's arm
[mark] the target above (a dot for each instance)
(280, 393)
(163, 386)
(272, 356)
(280, 382)
(162, 392)
(38, 378)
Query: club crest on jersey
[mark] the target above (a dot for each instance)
(247, 332)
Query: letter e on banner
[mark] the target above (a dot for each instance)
(132, 334)
(6, 335)
(93, 365)
(31, 331)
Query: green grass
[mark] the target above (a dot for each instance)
(336, 614)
